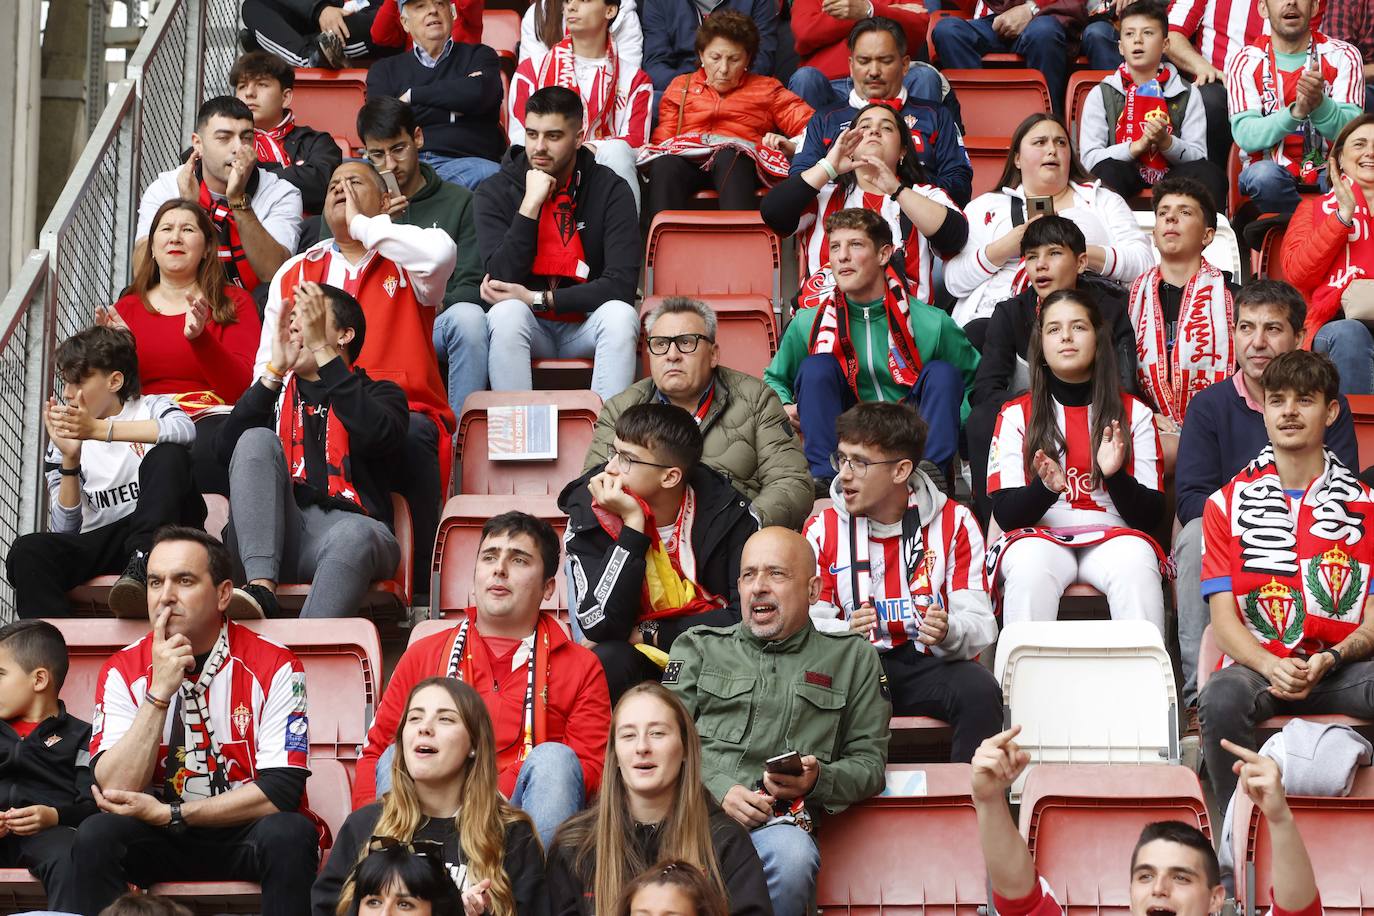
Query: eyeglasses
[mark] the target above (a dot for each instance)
(628, 461)
(431, 848)
(686, 343)
(858, 466)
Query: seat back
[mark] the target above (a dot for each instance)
(329, 792)
(746, 332)
(501, 33)
(1362, 408)
(329, 100)
(460, 533)
(90, 642)
(1269, 258)
(993, 102)
(706, 253)
(1224, 251)
(577, 413)
(1081, 85)
(988, 156)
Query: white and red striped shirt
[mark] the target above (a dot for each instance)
(634, 93)
(1218, 28)
(1082, 503)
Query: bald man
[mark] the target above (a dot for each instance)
(827, 713)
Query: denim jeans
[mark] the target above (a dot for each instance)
(1100, 45)
(1351, 348)
(961, 44)
(609, 335)
(460, 340)
(1271, 186)
(790, 863)
(922, 81)
(468, 171)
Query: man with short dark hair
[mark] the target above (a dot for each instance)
(1288, 568)
(256, 213)
(654, 539)
(200, 747)
(546, 694)
(902, 565)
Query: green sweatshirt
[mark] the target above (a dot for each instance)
(443, 205)
(1255, 132)
(935, 333)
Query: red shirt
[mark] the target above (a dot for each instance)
(1041, 902)
(21, 728)
(821, 39)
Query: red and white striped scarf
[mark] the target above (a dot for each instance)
(1204, 351)
(268, 143)
(558, 68)
(830, 333)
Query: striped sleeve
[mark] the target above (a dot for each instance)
(521, 88)
(115, 707)
(1243, 75)
(826, 614)
(1144, 466)
(1216, 539)
(1349, 85)
(964, 558)
(173, 425)
(636, 115)
(1185, 16)
(1006, 468)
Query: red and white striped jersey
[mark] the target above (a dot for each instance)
(634, 93)
(1082, 503)
(1218, 28)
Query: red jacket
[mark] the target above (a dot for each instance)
(579, 705)
(467, 25)
(758, 105)
(1314, 244)
(822, 40)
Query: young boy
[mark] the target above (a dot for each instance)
(654, 538)
(45, 775)
(108, 491)
(1144, 121)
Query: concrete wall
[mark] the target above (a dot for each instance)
(19, 104)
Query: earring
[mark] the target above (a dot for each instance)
(472, 755)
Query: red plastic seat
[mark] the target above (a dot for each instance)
(20, 891)
(328, 100)
(867, 851)
(935, 17)
(460, 533)
(1267, 262)
(710, 253)
(746, 331)
(478, 474)
(1082, 822)
(993, 102)
(1081, 85)
(988, 156)
(501, 33)
(1362, 407)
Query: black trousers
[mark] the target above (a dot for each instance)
(674, 179)
(625, 666)
(42, 567)
(278, 30)
(279, 851)
(1218, 125)
(962, 693)
(1124, 177)
(417, 479)
(48, 856)
(978, 430)
(211, 475)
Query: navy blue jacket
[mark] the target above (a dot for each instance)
(1220, 415)
(942, 151)
(670, 34)
(457, 102)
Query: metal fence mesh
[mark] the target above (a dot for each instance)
(164, 135)
(221, 45)
(12, 470)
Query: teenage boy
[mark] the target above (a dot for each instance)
(546, 694)
(1225, 429)
(1287, 568)
(304, 157)
(1288, 94)
(45, 764)
(654, 539)
(1055, 254)
(902, 564)
(617, 98)
(455, 88)
(1174, 867)
(1144, 122)
(118, 468)
(828, 360)
(310, 448)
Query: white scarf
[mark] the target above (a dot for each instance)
(1204, 351)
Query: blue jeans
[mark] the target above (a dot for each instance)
(1100, 45)
(460, 340)
(823, 394)
(1351, 348)
(1271, 186)
(468, 171)
(790, 863)
(961, 44)
(609, 335)
(922, 81)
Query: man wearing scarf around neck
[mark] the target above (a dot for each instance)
(654, 539)
(199, 747)
(867, 341)
(256, 213)
(1287, 567)
(285, 147)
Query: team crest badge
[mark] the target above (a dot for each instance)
(51, 740)
(390, 284)
(241, 719)
(1276, 611)
(1336, 582)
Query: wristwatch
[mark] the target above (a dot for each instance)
(648, 631)
(1335, 655)
(1033, 7)
(538, 303)
(177, 823)
(243, 203)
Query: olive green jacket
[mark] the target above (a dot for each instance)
(814, 693)
(747, 438)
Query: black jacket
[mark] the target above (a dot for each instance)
(373, 412)
(458, 102)
(315, 156)
(572, 894)
(52, 766)
(606, 220)
(615, 569)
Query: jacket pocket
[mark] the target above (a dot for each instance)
(814, 727)
(725, 705)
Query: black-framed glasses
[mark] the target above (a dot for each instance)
(431, 848)
(859, 466)
(628, 461)
(686, 343)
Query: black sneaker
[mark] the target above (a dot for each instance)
(330, 50)
(937, 476)
(822, 485)
(246, 40)
(253, 602)
(129, 596)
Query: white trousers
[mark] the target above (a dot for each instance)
(1035, 572)
(619, 157)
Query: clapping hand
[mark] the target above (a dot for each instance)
(1051, 474)
(1111, 452)
(197, 314)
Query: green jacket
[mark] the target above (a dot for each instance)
(935, 333)
(747, 438)
(443, 205)
(814, 693)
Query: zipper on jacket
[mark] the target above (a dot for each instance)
(868, 337)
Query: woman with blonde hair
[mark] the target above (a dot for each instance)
(443, 791)
(652, 806)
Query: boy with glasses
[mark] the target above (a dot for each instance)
(654, 539)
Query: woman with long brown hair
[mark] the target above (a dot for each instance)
(443, 790)
(652, 806)
(196, 334)
(1074, 475)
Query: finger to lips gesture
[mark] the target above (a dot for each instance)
(996, 764)
(172, 657)
(1111, 453)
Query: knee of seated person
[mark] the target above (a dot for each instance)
(818, 367)
(507, 317)
(460, 319)
(166, 458)
(288, 835)
(255, 443)
(618, 319)
(947, 26)
(937, 370)
(792, 850)
(1044, 27)
(100, 835)
(1343, 332)
(1226, 693)
(552, 760)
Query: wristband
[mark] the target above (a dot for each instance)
(829, 169)
(272, 370)
(109, 430)
(897, 193)
(69, 472)
(164, 705)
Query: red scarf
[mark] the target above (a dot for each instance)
(1357, 264)
(231, 254)
(1204, 349)
(559, 251)
(268, 143)
(912, 247)
(830, 334)
(1139, 110)
(558, 69)
(1279, 90)
(291, 411)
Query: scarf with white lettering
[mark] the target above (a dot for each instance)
(1299, 578)
(852, 553)
(830, 334)
(268, 143)
(1204, 351)
(1142, 107)
(292, 410)
(203, 757)
(558, 68)
(1358, 263)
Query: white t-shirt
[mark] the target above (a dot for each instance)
(277, 203)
